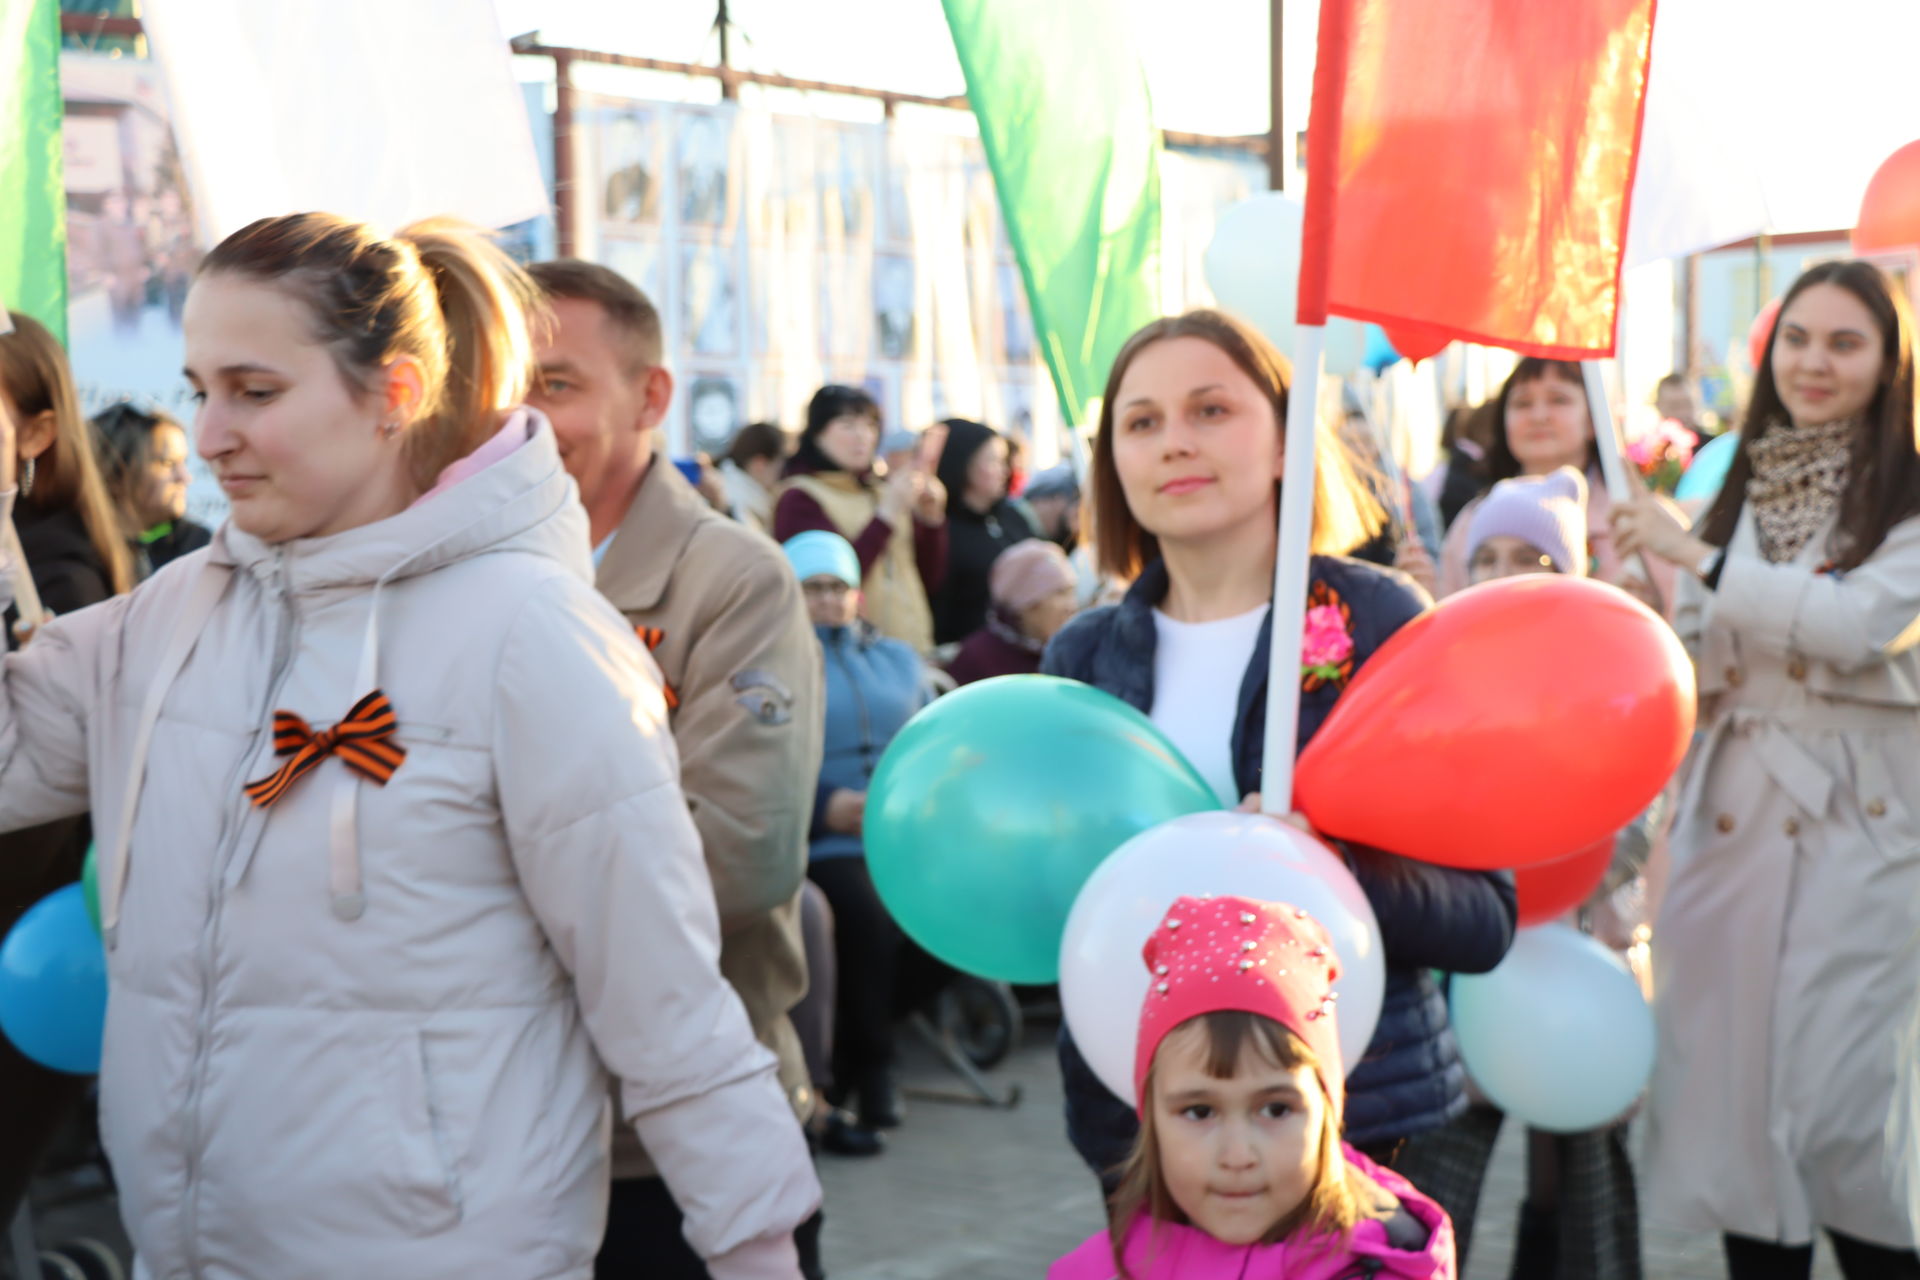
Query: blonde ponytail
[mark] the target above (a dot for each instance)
(485, 303)
(440, 293)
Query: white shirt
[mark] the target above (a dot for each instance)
(1198, 668)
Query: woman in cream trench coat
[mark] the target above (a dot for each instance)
(1788, 952)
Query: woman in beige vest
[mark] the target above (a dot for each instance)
(898, 526)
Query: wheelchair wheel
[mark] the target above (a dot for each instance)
(54, 1266)
(95, 1260)
(982, 1017)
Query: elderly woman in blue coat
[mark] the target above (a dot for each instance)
(874, 686)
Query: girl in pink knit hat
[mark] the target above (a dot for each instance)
(1238, 1170)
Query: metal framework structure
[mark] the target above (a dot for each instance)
(731, 78)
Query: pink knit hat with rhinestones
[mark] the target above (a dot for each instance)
(1265, 958)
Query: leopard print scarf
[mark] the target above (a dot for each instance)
(1798, 475)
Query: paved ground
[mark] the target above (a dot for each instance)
(966, 1193)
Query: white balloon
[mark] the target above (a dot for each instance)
(1253, 263)
(1103, 980)
(1559, 1035)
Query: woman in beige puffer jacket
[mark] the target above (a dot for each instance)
(395, 864)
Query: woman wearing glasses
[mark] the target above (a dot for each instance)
(874, 686)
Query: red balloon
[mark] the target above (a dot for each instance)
(1417, 342)
(1890, 210)
(1548, 890)
(1517, 720)
(1760, 335)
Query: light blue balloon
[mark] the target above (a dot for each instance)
(1559, 1035)
(1708, 471)
(1380, 352)
(991, 808)
(53, 984)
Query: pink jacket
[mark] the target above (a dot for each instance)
(1416, 1244)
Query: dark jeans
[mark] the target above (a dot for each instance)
(867, 948)
(35, 1103)
(644, 1240)
(1749, 1259)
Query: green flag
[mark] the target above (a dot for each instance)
(1062, 103)
(33, 197)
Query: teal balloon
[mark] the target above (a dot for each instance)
(1706, 474)
(1379, 352)
(53, 984)
(90, 887)
(992, 807)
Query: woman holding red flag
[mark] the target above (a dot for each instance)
(1186, 475)
(1789, 958)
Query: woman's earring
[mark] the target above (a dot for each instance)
(390, 428)
(26, 477)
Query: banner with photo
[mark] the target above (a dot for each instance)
(133, 244)
(784, 252)
(787, 252)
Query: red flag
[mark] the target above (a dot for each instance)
(1469, 167)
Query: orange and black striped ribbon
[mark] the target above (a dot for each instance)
(653, 638)
(363, 742)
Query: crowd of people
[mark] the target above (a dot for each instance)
(486, 776)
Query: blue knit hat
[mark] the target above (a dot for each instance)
(817, 554)
(1549, 512)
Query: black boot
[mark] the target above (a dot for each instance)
(843, 1137)
(879, 1101)
(1536, 1245)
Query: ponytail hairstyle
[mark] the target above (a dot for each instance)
(1342, 1195)
(35, 379)
(440, 292)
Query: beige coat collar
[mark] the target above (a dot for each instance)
(666, 510)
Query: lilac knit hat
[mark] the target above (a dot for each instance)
(1548, 511)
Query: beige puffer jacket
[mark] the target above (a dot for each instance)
(362, 1032)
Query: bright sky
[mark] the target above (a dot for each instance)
(1206, 60)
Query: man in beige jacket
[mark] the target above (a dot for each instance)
(723, 616)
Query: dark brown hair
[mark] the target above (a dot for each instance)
(1341, 1197)
(1883, 477)
(758, 440)
(125, 433)
(35, 379)
(1501, 464)
(439, 292)
(1345, 513)
(631, 313)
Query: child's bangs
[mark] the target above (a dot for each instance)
(1230, 1031)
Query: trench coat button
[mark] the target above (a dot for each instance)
(1876, 808)
(1723, 824)
(1797, 668)
(1735, 677)
(1792, 826)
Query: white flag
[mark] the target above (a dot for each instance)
(380, 110)
(1768, 115)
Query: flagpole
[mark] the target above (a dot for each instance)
(1606, 435)
(1613, 459)
(1292, 554)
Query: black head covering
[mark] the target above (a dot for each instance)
(964, 439)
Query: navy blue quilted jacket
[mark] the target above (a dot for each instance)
(1430, 917)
